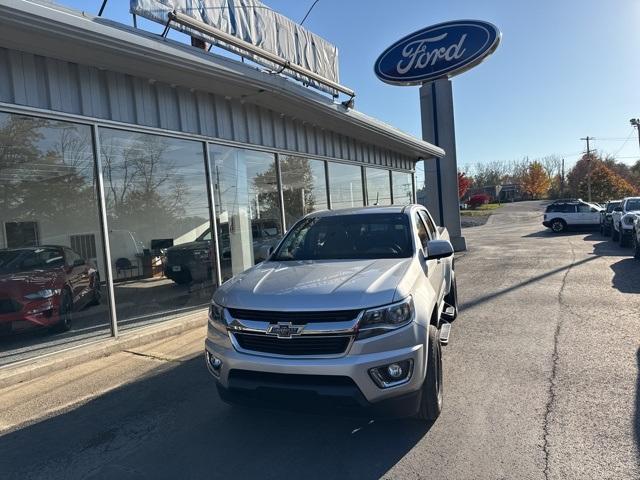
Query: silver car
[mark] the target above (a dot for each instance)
(351, 306)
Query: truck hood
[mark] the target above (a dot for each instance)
(315, 285)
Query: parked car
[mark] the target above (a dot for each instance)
(560, 216)
(352, 303)
(606, 218)
(191, 261)
(623, 218)
(43, 286)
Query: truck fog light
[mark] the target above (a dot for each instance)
(215, 363)
(392, 374)
(395, 371)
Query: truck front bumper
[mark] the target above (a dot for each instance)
(247, 378)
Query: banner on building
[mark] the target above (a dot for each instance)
(255, 23)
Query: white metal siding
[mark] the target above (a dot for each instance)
(56, 85)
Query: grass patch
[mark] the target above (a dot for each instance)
(489, 206)
(481, 211)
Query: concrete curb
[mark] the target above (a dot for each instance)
(37, 367)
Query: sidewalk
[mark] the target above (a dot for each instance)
(63, 388)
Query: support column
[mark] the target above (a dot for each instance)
(441, 174)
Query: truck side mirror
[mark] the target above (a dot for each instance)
(437, 249)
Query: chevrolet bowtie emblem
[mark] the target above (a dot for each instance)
(285, 329)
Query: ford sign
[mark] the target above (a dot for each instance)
(439, 51)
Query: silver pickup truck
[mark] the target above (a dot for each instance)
(351, 306)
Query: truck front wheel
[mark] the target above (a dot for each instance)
(558, 225)
(431, 402)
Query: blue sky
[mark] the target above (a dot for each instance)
(565, 69)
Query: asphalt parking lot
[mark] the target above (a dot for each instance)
(541, 382)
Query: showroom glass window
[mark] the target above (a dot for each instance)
(158, 217)
(345, 185)
(247, 206)
(402, 188)
(51, 261)
(304, 186)
(421, 192)
(378, 186)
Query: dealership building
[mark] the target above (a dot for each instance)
(165, 167)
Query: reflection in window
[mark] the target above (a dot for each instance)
(304, 187)
(421, 192)
(48, 198)
(402, 188)
(158, 217)
(378, 187)
(247, 206)
(345, 186)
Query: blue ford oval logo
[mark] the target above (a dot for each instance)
(442, 50)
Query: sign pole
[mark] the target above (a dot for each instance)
(441, 174)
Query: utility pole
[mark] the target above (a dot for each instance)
(562, 181)
(587, 138)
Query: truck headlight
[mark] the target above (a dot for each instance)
(629, 220)
(384, 319)
(216, 314)
(42, 294)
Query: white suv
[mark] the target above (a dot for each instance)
(623, 218)
(559, 216)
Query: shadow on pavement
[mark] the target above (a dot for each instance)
(173, 425)
(525, 283)
(546, 233)
(626, 275)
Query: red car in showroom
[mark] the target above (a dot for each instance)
(42, 287)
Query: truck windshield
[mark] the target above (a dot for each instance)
(364, 236)
(633, 205)
(611, 206)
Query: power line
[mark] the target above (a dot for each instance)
(309, 11)
(615, 155)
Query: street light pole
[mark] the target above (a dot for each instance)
(636, 123)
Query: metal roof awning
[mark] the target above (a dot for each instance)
(50, 30)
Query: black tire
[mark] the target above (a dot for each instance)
(622, 237)
(614, 234)
(66, 312)
(602, 230)
(432, 388)
(558, 225)
(451, 298)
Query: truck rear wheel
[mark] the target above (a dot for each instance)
(431, 401)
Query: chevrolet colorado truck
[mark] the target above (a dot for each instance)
(352, 305)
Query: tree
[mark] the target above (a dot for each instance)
(536, 182)
(606, 185)
(580, 171)
(298, 193)
(464, 183)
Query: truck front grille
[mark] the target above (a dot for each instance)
(298, 318)
(297, 346)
